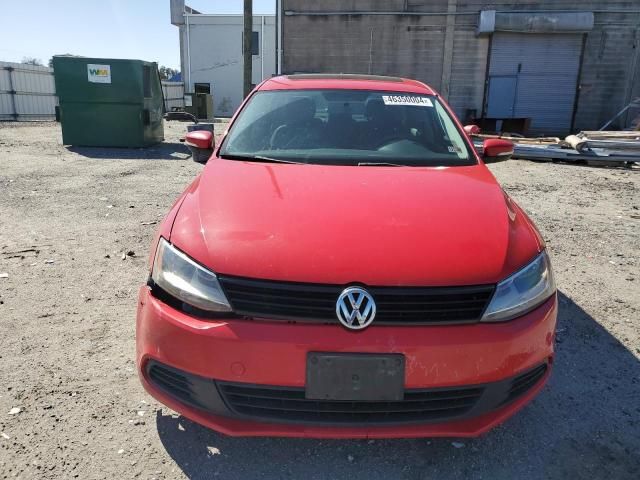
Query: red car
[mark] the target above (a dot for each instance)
(346, 266)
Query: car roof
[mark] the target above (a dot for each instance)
(314, 81)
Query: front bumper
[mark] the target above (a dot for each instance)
(266, 353)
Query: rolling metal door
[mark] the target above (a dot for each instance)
(543, 71)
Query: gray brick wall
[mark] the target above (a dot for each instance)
(468, 71)
(414, 46)
(606, 75)
(365, 44)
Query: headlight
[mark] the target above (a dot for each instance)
(522, 291)
(186, 280)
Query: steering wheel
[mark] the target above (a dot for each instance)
(274, 136)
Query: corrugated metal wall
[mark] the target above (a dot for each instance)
(543, 69)
(27, 92)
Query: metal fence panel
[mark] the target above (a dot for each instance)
(173, 95)
(5, 84)
(27, 92)
(6, 105)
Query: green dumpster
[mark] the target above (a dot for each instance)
(108, 102)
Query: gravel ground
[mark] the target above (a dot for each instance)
(68, 218)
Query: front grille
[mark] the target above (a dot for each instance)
(290, 405)
(522, 383)
(171, 381)
(395, 305)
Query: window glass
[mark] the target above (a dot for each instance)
(347, 127)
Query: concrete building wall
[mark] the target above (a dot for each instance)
(608, 80)
(436, 41)
(364, 44)
(468, 70)
(634, 83)
(211, 52)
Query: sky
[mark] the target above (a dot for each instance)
(138, 29)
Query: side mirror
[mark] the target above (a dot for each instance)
(472, 129)
(200, 144)
(496, 150)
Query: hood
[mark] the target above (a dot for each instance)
(341, 224)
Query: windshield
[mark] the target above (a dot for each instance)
(346, 127)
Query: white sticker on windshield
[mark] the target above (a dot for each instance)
(407, 100)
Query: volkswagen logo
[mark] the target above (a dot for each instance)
(355, 308)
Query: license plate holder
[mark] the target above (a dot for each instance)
(355, 376)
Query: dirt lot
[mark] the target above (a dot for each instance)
(67, 326)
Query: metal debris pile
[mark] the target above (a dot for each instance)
(597, 146)
(590, 146)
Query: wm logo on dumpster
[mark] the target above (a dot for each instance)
(99, 73)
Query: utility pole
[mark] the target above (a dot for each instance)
(248, 33)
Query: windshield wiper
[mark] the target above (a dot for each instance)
(257, 158)
(380, 164)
